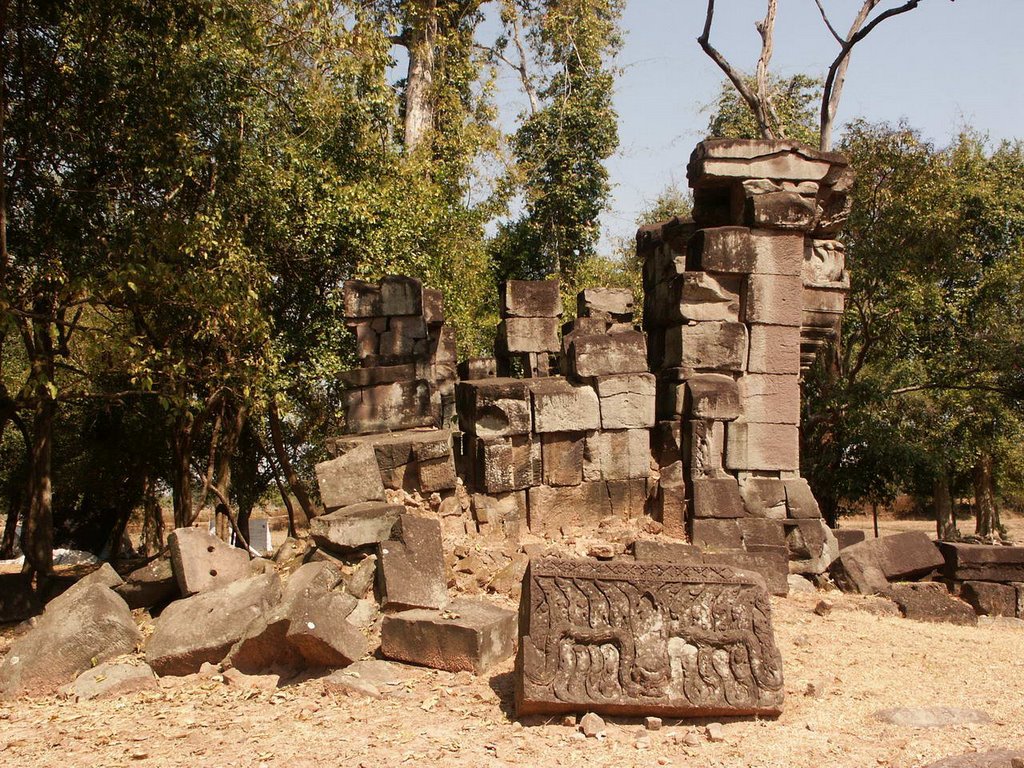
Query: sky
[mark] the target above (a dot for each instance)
(941, 67)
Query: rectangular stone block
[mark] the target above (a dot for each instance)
(350, 479)
(869, 566)
(762, 446)
(706, 346)
(478, 368)
(613, 304)
(704, 448)
(847, 537)
(555, 508)
(717, 497)
(562, 458)
(436, 475)
(770, 398)
(780, 210)
(719, 160)
(531, 298)
(600, 355)
(727, 250)
(494, 407)
(355, 526)
(628, 498)
(800, 501)
(617, 455)
(774, 349)
(704, 297)
(627, 400)
(713, 396)
(361, 299)
(382, 374)
(401, 295)
(650, 551)
(760, 533)
(505, 464)
(774, 300)
(712, 534)
(559, 406)
(980, 562)
(805, 539)
(630, 638)
(433, 306)
(668, 504)
(764, 497)
(471, 636)
(988, 598)
(411, 568)
(405, 337)
(389, 407)
(529, 334)
(583, 326)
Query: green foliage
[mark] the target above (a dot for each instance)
(796, 101)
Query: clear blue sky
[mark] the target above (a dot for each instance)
(941, 66)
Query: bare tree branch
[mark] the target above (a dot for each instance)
(766, 28)
(824, 17)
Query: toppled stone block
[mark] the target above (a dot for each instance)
(714, 396)
(617, 455)
(562, 454)
(412, 568)
(774, 300)
(756, 446)
(774, 349)
(87, 626)
(709, 346)
(717, 498)
(600, 355)
(468, 636)
(370, 677)
(800, 501)
(201, 561)
(529, 334)
(151, 585)
(355, 526)
(981, 562)
(110, 680)
(559, 406)
(494, 407)
(653, 627)
(770, 398)
(531, 298)
(764, 497)
(204, 627)
(990, 599)
(847, 537)
(321, 632)
(353, 478)
(868, 567)
(612, 304)
(626, 400)
(930, 601)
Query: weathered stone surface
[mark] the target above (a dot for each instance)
(847, 537)
(668, 502)
(780, 210)
(370, 677)
(88, 625)
(531, 298)
(774, 300)
(562, 454)
(714, 396)
(17, 599)
(320, 631)
(554, 508)
(201, 561)
(355, 526)
(869, 566)
(980, 562)
(384, 407)
(617, 455)
(930, 601)
(151, 585)
(529, 334)
(615, 304)
(503, 515)
(774, 349)
(478, 368)
(703, 297)
(770, 398)
(764, 497)
(401, 295)
(360, 299)
(931, 717)
(506, 463)
(204, 627)
(353, 478)
(800, 501)
(412, 569)
(666, 552)
(990, 599)
(559, 406)
(717, 160)
(758, 446)
(995, 758)
(708, 346)
(494, 407)
(717, 498)
(633, 638)
(601, 355)
(727, 249)
(628, 498)
(712, 534)
(762, 534)
(771, 565)
(468, 636)
(110, 680)
(626, 400)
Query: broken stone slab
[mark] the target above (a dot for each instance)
(847, 537)
(752, 446)
(201, 561)
(627, 638)
(151, 585)
(982, 562)
(529, 334)
(112, 680)
(370, 677)
(612, 304)
(988, 598)
(711, 346)
(714, 396)
(601, 355)
(930, 601)
(203, 628)
(702, 297)
(559, 406)
(774, 349)
(764, 497)
(89, 625)
(468, 635)
(562, 458)
(494, 407)
(412, 567)
(868, 567)
(355, 526)
(530, 298)
(352, 478)
(994, 758)
(320, 631)
(800, 501)
(626, 400)
(932, 717)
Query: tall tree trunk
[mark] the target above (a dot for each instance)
(14, 511)
(942, 504)
(181, 469)
(419, 87)
(230, 433)
(988, 525)
(294, 481)
(152, 519)
(37, 528)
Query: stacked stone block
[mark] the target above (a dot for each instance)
(736, 302)
(406, 354)
(527, 337)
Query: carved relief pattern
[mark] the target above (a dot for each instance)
(648, 637)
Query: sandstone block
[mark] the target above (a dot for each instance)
(405, 337)
(320, 631)
(714, 396)
(110, 680)
(707, 346)
(412, 569)
(704, 297)
(151, 585)
(401, 295)
(355, 526)
(555, 636)
(628, 498)
(494, 407)
(990, 599)
(559, 406)
(717, 498)
(869, 566)
(353, 478)
(770, 565)
(769, 398)
(600, 355)
(931, 601)
(562, 454)
(554, 508)
(728, 250)
(780, 210)
(626, 400)
(531, 298)
(478, 368)
(755, 446)
(980, 562)
(800, 501)
(668, 504)
(723, 160)
(507, 463)
(388, 407)
(711, 534)
(436, 475)
(469, 636)
(504, 514)
(774, 349)
(666, 552)
(433, 306)
(774, 300)
(361, 299)
(617, 455)
(704, 448)
(529, 334)
(380, 374)
(764, 497)
(847, 537)
(667, 442)
(201, 561)
(612, 304)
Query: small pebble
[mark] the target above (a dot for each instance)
(823, 608)
(715, 732)
(691, 740)
(569, 720)
(591, 725)
(643, 743)
(652, 723)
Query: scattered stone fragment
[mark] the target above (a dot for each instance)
(202, 562)
(931, 601)
(715, 732)
(798, 583)
(868, 567)
(652, 723)
(692, 740)
(569, 721)
(356, 526)
(151, 585)
(370, 677)
(996, 758)
(110, 680)
(823, 608)
(931, 717)
(360, 580)
(591, 725)
(412, 569)
(990, 599)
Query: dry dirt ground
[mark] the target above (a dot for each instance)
(840, 669)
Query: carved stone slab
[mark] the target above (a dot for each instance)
(639, 638)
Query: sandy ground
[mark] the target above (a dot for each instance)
(840, 669)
